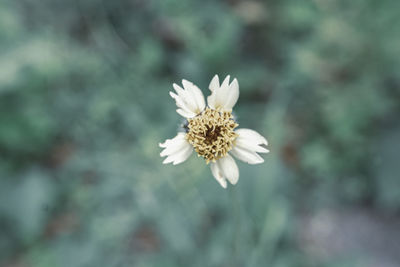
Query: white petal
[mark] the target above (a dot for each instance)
(180, 156)
(196, 93)
(225, 83)
(176, 149)
(223, 96)
(246, 155)
(183, 155)
(222, 93)
(201, 103)
(173, 140)
(233, 95)
(187, 112)
(178, 89)
(247, 144)
(250, 145)
(217, 173)
(214, 84)
(251, 135)
(211, 101)
(187, 98)
(229, 168)
(177, 144)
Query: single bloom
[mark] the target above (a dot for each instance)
(212, 131)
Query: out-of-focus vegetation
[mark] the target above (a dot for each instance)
(84, 103)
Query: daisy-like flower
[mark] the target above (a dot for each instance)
(212, 130)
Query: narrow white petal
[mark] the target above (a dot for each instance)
(247, 145)
(183, 155)
(214, 87)
(214, 84)
(187, 97)
(181, 104)
(168, 160)
(179, 89)
(225, 83)
(220, 99)
(246, 155)
(219, 93)
(187, 85)
(232, 95)
(211, 100)
(180, 156)
(250, 145)
(196, 94)
(176, 149)
(201, 103)
(251, 135)
(185, 114)
(168, 142)
(222, 94)
(188, 89)
(229, 168)
(217, 173)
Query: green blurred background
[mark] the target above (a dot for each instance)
(84, 103)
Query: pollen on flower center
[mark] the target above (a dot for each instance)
(211, 133)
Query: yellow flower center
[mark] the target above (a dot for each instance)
(211, 133)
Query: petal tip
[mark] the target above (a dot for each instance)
(223, 183)
(214, 84)
(177, 87)
(258, 162)
(235, 182)
(172, 94)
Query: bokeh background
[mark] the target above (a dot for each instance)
(84, 103)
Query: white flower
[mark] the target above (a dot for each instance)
(211, 131)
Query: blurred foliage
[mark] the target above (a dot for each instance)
(84, 102)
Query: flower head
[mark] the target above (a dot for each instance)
(211, 131)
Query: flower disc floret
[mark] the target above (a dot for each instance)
(211, 133)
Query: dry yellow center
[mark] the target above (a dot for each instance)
(211, 133)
